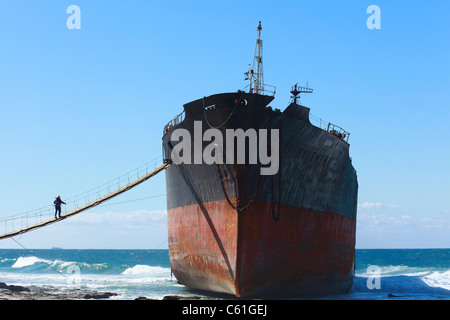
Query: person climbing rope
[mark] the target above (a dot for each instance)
(57, 204)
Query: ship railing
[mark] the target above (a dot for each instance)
(47, 213)
(266, 90)
(338, 132)
(172, 123)
(331, 128)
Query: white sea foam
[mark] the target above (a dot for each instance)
(146, 270)
(393, 270)
(130, 280)
(27, 261)
(404, 281)
(438, 279)
(60, 265)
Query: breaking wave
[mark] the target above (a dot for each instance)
(403, 282)
(146, 270)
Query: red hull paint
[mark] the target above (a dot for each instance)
(305, 252)
(202, 246)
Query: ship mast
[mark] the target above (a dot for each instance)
(296, 90)
(256, 79)
(259, 81)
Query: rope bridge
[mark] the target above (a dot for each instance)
(42, 217)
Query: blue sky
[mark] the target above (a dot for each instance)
(81, 107)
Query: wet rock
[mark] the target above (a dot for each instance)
(100, 295)
(144, 298)
(176, 297)
(12, 292)
(12, 287)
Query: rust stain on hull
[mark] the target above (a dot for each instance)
(202, 246)
(305, 252)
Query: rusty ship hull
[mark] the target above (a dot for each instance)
(232, 230)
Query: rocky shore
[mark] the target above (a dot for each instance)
(176, 297)
(12, 292)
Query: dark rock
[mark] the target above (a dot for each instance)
(99, 295)
(175, 297)
(144, 298)
(18, 288)
(13, 292)
(13, 287)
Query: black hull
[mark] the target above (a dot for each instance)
(213, 209)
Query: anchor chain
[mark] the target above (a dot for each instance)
(224, 190)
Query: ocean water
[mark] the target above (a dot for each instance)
(409, 274)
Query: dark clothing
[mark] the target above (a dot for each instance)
(57, 211)
(57, 204)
